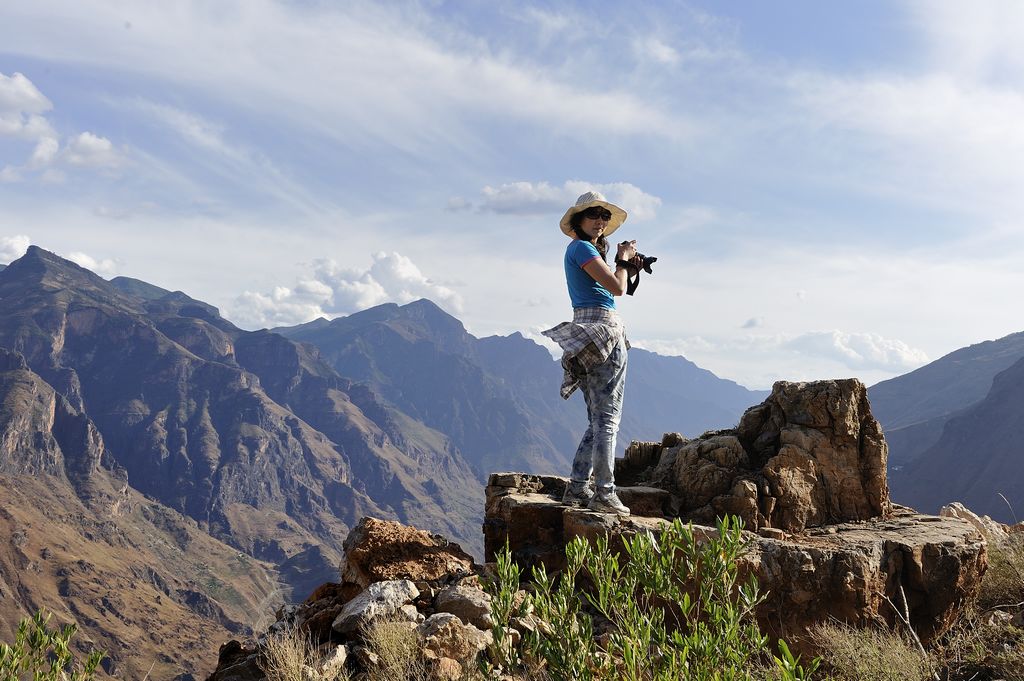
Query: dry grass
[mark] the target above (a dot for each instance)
(981, 647)
(398, 651)
(1003, 584)
(850, 654)
(291, 656)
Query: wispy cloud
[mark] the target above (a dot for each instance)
(417, 82)
(542, 198)
(653, 48)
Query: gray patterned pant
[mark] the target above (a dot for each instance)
(603, 387)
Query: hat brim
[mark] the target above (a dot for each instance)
(618, 216)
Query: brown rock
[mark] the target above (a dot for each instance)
(445, 635)
(447, 669)
(469, 603)
(237, 663)
(810, 455)
(993, 531)
(646, 501)
(332, 663)
(378, 550)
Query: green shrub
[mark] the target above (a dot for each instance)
(43, 654)
(675, 609)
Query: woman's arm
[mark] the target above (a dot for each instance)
(615, 281)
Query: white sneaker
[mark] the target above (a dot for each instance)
(578, 496)
(607, 503)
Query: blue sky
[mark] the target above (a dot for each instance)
(833, 189)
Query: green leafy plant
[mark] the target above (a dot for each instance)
(673, 607)
(44, 654)
(503, 601)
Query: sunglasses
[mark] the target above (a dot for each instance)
(597, 213)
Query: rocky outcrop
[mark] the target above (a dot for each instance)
(854, 572)
(810, 455)
(805, 472)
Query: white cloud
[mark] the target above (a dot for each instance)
(539, 198)
(280, 307)
(22, 106)
(21, 109)
(92, 151)
(332, 290)
(18, 96)
(805, 356)
(105, 267)
(44, 153)
(858, 351)
(13, 247)
(753, 323)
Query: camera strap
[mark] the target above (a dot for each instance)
(632, 275)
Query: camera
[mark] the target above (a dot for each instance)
(645, 264)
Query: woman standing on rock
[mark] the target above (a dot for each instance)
(594, 345)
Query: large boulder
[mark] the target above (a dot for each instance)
(446, 636)
(811, 454)
(467, 601)
(377, 550)
(381, 599)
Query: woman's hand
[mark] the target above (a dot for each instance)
(626, 250)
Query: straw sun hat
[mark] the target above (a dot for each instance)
(589, 200)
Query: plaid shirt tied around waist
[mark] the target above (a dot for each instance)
(586, 341)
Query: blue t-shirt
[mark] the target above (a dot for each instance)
(583, 290)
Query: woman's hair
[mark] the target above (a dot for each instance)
(575, 220)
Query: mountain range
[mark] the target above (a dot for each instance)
(954, 430)
(161, 463)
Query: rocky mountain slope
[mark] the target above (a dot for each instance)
(142, 581)
(213, 425)
(978, 458)
(914, 408)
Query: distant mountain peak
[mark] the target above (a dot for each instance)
(424, 304)
(41, 270)
(36, 258)
(139, 288)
